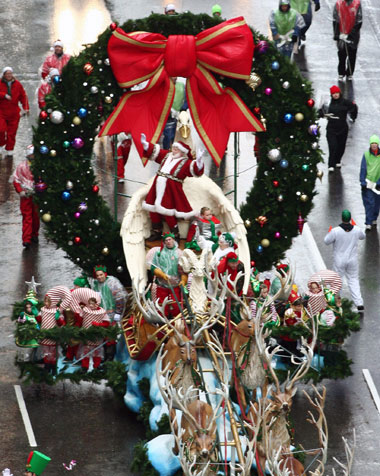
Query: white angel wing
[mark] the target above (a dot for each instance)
(202, 192)
(135, 228)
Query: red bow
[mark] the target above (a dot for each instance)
(226, 49)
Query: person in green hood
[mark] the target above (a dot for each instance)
(285, 24)
(303, 7)
(370, 182)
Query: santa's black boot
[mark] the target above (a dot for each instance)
(156, 234)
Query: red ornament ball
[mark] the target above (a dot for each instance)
(275, 183)
(253, 264)
(77, 240)
(310, 102)
(95, 188)
(256, 110)
(43, 115)
(113, 26)
(40, 186)
(88, 68)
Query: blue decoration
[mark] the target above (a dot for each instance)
(275, 65)
(284, 163)
(44, 150)
(82, 112)
(57, 79)
(66, 196)
(259, 249)
(288, 118)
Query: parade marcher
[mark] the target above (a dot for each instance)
(124, 143)
(230, 266)
(23, 183)
(46, 87)
(286, 25)
(204, 231)
(12, 94)
(304, 8)
(114, 296)
(216, 11)
(57, 60)
(179, 104)
(166, 198)
(169, 275)
(170, 9)
(345, 239)
(370, 182)
(337, 127)
(347, 21)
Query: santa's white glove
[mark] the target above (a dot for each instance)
(343, 36)
(116, 317)
(22, 194)
(199, 159)
(144, 142)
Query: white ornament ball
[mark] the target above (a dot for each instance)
(274, 155)
(314, 145)
(286, 85)
(69, 185)
(57, 117)
(94, 89)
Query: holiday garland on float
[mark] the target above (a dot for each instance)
(76, 216)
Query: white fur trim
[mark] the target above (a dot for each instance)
(166, 211)
(193, 163)
(58, 43)
(181, 147)
(7, 68)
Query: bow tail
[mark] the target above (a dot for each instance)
(217, 112)
(144, 111)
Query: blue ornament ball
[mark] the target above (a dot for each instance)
(82, 112)
(288, 118)
(44, 149)
(275, 65)
(66, 196)
(259, 249)
(56, 79)
(284, 163)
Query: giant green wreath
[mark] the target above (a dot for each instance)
(86, 95)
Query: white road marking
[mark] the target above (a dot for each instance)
(25, 416)
(372, 388)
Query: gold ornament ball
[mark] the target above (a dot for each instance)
(46, 217)
(247, 223)
(105, 251)
(108, 99)
(320, 174)
(53, 153)
(77, 120)
(265, 242)
(304, 198)
(299, 117)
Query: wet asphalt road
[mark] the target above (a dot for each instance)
(86, 423)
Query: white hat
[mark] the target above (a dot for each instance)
(53, 72)
(58, 43)
(7, 68)
(29, 150)
(169, 6)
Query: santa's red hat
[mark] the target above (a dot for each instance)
(183, 148)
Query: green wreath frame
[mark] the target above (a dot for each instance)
(281, 194)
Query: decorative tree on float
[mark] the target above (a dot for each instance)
(76, 216)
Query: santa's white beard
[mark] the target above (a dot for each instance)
(177, 155)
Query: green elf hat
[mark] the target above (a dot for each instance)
(37, 462)
(99, 267)
(346, 216)
(232, 257)
(374, 139)
(81, 282)
(229, 238)
(167, 235)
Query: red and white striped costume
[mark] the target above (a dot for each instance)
(326, 278)
(99, 316)
(82, 295)
(60, 293)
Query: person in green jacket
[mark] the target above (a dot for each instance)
(370, 182)
(304, 8)
(286, 25)
(179, 104)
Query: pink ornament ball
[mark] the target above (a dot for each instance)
(76, 214)
(268, 91)
(77, 143)
(262, 47)
(277, 235)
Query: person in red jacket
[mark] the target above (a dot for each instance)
(23, 182)
(11, 94)
(46, 87)
(57, 60)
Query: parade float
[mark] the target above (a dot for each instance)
(214, 364)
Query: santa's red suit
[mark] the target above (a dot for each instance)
(166, 196)
(93, 317)
(123, 149)
(10, 111)
(54, 61)
(23, 182)
(43, 90)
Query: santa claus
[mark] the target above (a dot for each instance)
(166, 198)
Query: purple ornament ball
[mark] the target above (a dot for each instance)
(76, 214)
(262, 47)
(268, 91)
(277, 235)
(77, 143)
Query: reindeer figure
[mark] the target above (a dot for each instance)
(183, 132)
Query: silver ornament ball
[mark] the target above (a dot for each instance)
(274, 155)
(57, 117)
(94, 89)
(69, 185)
(286, 85)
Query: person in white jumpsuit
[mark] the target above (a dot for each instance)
(345, 239)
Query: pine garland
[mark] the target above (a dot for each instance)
(87, 83)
